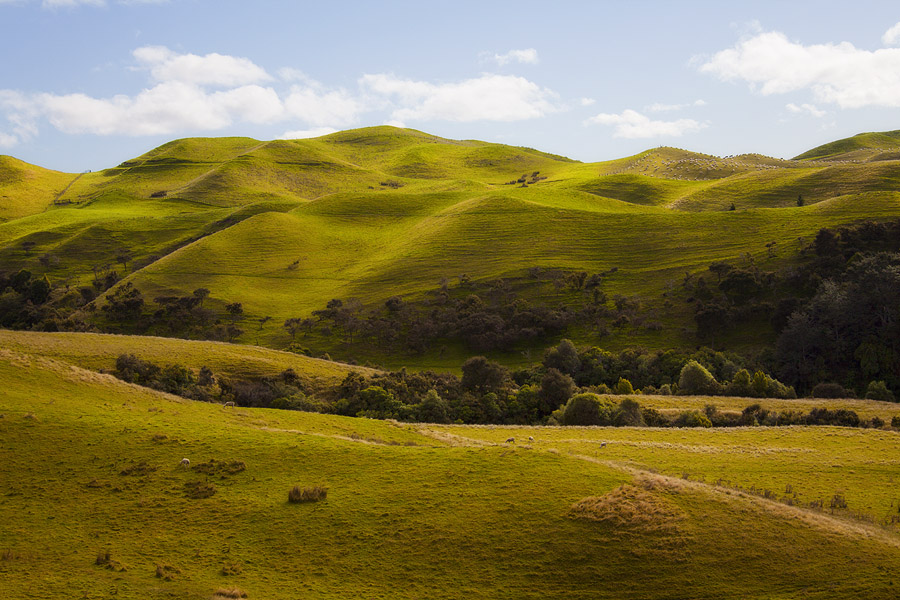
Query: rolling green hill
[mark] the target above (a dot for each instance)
(96, 504)
(285, 226)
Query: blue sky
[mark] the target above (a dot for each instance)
(86, 84)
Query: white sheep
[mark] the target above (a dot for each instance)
(185, 462)
(530, 439)
(228, 404)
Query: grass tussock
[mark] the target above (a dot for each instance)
(309, 494)
(221, 468)
(105, 559)
(231, 568)
(197, 490)
(167, 572)
(234, 592)
(630, 508)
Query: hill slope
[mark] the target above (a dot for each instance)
(89, 461)
(285, 226)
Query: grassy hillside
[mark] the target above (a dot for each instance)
(865, 146)
(99, 352)
(88, 462)
(285, 226)
(27, 189)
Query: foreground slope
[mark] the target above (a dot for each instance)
(88, 462)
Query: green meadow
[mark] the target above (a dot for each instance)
(96, 504)
(285, 226)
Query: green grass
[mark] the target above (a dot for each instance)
(98, 351)
(415, 511)
(239, 212)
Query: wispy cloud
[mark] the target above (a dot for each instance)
(526, 56)
(658, 107)
(809, 109)
(301, 134)
(487, 98)
(838, 74)
(633, 125)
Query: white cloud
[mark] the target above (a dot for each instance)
(835, 73)
(658, 107)
(810, 109)
(487, 98)
(633, 125)
(301, 134)
(7, 140)
(395, 123)
(891, 37)
(210, 69)
(527, 56)
(71, 3)
(320, 107)
(587, 101)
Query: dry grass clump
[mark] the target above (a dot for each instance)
(220, 467)
(197, 490)
(105, 559)
(229, 593)
(629, 507)
(310, 494)
(231, 568)
(166, 572)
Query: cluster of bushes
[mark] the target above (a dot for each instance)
(836, 315)
(285, 390)
(483, 316)
(22, 299)
(487, 393)
(593, 409)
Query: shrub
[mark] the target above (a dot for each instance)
(624, 387)
(695, 379)
(895, 421)
(830, 390)
(692, 418)
(629, 413)
(588, 409)
(877, 390)
(310, 494)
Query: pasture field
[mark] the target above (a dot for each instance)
(285, 226)
(95, 503)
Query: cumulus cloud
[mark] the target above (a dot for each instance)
(527, 56)
(838, 74)
(321, 107)
(633, 125)
(210, 69)
(659, 107)
(487, 98)
(301, 134)
(891, 37)
(587, 101)
(810, 109)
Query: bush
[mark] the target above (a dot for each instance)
(895, 421)
(877, 390)
(629, 413)
(624, 387)
(588, 409)
(695, 379)
(310, 494)
(830, 390)
(692, 418)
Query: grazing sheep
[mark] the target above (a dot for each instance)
(511, 441)
(185, 462)
(227, 404)
(603, 444)
(530, 439)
